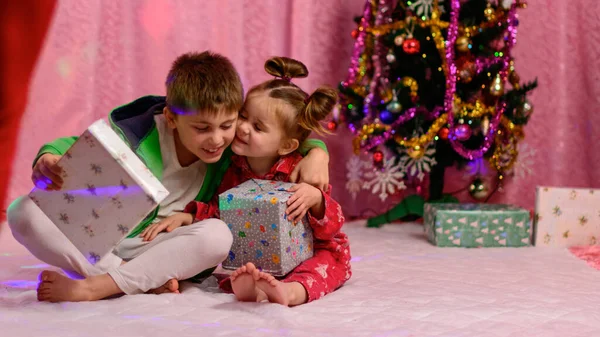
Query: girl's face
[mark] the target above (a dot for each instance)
(259, 132)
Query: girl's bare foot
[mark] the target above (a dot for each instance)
(288, 294)
(171, 286)
(244, 285)
(54, 287)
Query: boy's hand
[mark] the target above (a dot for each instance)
(46, 173)
(169, 224)
(313, 169)
(304, 198)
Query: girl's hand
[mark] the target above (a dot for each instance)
(46, 173)
(169, 224)
(304, 198)
(313, 169)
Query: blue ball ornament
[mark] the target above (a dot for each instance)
(387, 117)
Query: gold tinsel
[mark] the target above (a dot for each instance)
(426, 138)
(468, 110)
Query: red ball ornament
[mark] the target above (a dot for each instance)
(332, 125)
(444, 133)
(354, 34)
(411, 46)
(378, 158)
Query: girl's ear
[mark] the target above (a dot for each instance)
(288, 146)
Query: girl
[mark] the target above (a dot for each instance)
(276, 117)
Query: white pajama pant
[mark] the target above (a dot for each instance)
(180, 254)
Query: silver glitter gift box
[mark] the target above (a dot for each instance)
(262, 234)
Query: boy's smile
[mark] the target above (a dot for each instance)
(200, 135)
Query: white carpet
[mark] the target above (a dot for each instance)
(402, 286)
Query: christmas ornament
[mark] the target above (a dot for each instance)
(394, 106)
(390, 57)
(497, 87)
(463, 43)
(467, 70)
(415, 152)
(424, 8)
(444, 133)
(478, 189)
(354, 34)
(398, 40)
(411, 45)
(462, 132)
(485, 125)
(418, 161)
(378, 159)
(525, 110)
(388, 178)
(332, 125)
(387, 117)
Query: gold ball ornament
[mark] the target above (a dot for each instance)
(416, 152)
(478, 189)
(497, 87)
(462, 44)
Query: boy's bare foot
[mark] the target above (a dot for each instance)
(244, 285)
(288, 294)
(171, 286)
(54, 287)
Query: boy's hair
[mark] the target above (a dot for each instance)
(299, 112)
(206, 82)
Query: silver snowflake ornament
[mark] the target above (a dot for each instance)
(385, 181)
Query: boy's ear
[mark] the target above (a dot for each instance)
(288, 146)
(170, 117)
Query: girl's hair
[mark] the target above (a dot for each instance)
(299, 112)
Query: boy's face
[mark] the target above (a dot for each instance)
(202, 136)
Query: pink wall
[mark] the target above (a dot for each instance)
(100, 54)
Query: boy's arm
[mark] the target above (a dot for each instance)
(311, 144)
(58, 146)
(332, 221)
(313, 169)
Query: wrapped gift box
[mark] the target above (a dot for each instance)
(107, 192)
(566, 217)
(477, 225)
(262, 234)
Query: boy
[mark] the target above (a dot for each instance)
(184, 140)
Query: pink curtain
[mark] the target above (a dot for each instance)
(100, 54)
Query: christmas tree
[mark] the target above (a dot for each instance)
(432, 83)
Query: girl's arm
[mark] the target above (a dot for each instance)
(332, 220)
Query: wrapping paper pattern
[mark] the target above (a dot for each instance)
(107, 192)
(262, 234)
(566, 217)
(477, 225)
